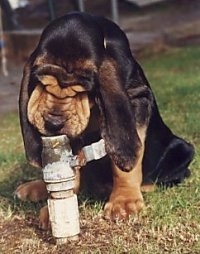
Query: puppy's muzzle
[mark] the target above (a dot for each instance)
(53, 123)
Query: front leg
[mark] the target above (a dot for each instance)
(36, 191)
(126, 197)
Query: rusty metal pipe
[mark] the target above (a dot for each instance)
(59, 177)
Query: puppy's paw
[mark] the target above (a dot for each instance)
(123, 203)
(44, 223)
(33, 191)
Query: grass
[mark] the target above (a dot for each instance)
(170, 223)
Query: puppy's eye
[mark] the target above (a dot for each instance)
(64, 84)
(86, 75)
(85, 78)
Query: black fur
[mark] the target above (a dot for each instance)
(123, 98)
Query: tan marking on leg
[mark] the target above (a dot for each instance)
(44, 222)
(77, 180)
(33, 191)
(148, 188)
(126, 197)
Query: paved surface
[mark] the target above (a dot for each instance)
(153, 27)
(9, 89)
(166, 24)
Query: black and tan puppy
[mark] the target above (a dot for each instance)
(83, 81)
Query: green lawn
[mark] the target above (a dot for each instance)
(170, 223)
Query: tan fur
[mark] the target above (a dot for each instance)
(108, 75)
(126, 197)
(53, 87)
(148, 188)
(44, 222)
(71, 102)
(48, 80)
(41, 60)
(34, 191)
(85, 65)
(34, 107)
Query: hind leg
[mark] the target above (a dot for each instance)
(34, 191)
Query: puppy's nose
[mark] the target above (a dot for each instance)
(53, 122)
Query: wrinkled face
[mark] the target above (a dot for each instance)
(60, 104)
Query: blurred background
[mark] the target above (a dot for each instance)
(152, 25)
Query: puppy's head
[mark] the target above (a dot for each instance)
(71, 69)
(58, 79)
(59, 103)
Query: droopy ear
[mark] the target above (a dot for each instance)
(118, 121)
(32, 140)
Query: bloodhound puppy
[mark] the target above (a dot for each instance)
(83, 81)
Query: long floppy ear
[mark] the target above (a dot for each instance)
(32, 140)
(118, 121)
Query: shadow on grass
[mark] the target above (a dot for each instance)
(18, 175)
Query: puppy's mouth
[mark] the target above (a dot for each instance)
(53, 110)
(53, 123)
